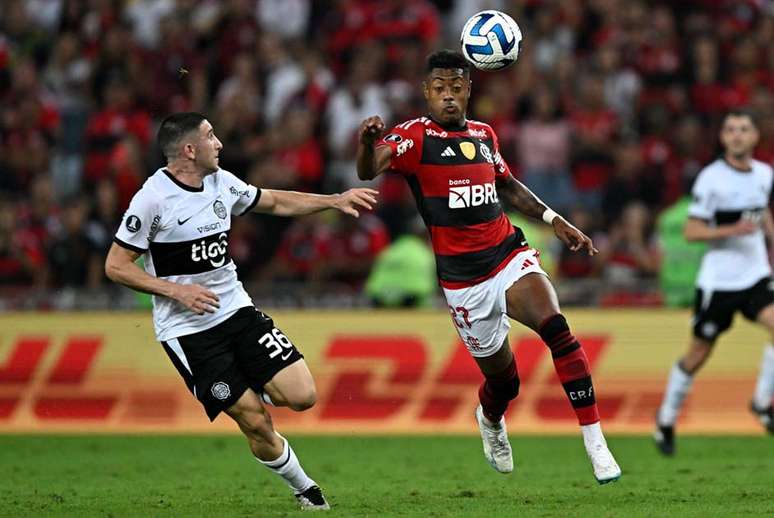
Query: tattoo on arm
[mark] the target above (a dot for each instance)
(520, 198)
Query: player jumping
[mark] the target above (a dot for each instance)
(730, 211)
(230, 355)
(488, 272)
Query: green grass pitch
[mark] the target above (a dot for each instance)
(54, 475)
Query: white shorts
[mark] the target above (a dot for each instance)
(479, 311)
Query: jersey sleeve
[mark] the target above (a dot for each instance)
(703, 200)
(241, 196)
(140, 222)
(405, 143)
(501, 167)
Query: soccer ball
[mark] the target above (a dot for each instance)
(491, 40)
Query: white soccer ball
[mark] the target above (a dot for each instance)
(491, 40)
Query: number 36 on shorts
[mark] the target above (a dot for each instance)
(277, 343)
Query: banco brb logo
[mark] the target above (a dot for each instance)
(472, 196)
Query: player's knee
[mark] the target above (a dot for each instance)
(511, 388)
(553, 327)
(506, 384)
(304, 399)
(556, 334)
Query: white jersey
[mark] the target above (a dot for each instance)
(723, 195)
(183, 233)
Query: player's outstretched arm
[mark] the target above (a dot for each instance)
(525, 201)
(120, 267)
(291, 203)
(699, 230)
(371, 161)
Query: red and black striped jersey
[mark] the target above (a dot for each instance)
(452, 174)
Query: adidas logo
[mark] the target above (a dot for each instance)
(448, 152)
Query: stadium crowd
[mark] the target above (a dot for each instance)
(611, 110)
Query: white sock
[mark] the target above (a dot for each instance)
(677, 388)
(288, 467)
(267, 399)
(592, 435)
(764, 388)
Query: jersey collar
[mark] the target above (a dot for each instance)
(181, 184)
(450, 127)
(749, 169)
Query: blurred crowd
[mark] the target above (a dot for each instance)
(611, 110)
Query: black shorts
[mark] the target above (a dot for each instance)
(713, 316)
(219, 364)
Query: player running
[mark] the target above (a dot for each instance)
(231, 356)
(730, 211)
(487, 270)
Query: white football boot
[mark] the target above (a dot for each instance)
(312, 500)
(497, 449)
(605, 467)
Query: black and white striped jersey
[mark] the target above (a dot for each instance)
(183, 233)
(724, 195)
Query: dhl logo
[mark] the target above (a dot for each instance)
(369, 377)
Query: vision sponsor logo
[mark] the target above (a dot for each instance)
(209, 228)
(404, 146)
(215, 252)
(477, 133)
(393, 137)
(472, 196)
(236, 192)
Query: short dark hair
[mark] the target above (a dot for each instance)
(740, 112)
(447, 59)
(175, 127)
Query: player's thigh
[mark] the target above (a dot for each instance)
(273, 364)
(531, 300)
(713, 313)
(207, 363)
(478, 317)
(759, 304)
(293, 385)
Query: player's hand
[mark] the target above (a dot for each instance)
(572, 237)
(743, 227)
(348, 202)
(198, 299)
(371, 130)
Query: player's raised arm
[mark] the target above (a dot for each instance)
(525, 201)
(120, 267)
(371, 160)
(291, 203)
